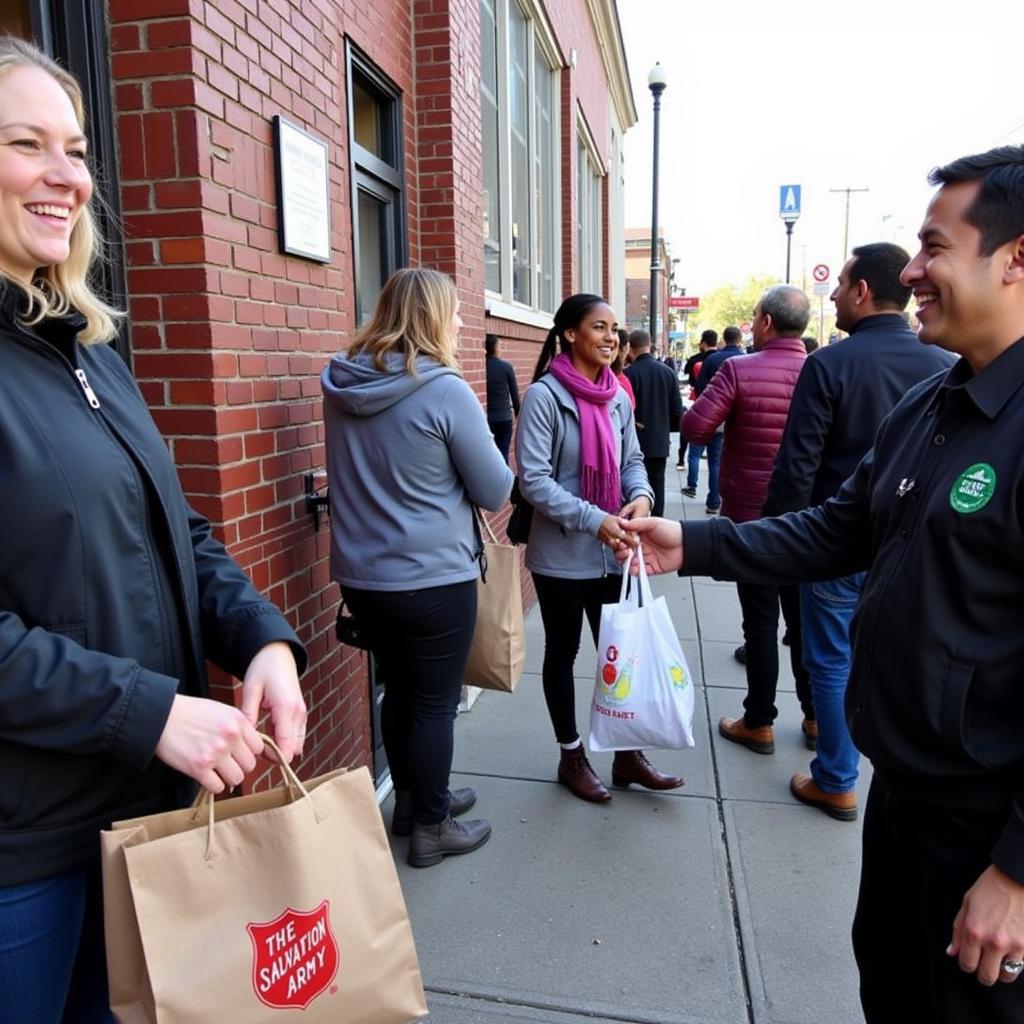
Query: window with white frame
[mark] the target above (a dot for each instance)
(521, 178)
(588, 219)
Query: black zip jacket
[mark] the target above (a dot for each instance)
(935, 513)
(502, 390)
(843, 394)
(658, 405)
(113, 591)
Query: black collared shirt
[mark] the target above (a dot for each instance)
(935, 513)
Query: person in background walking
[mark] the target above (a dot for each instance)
(732, 347)
(502, 395)
(407, 459)
(691, 370)
(581, 468)
(658, 411)
(114, 592)
(839, 403)
(619, 364)
(752, 396)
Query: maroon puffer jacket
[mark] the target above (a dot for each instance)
(751, 396)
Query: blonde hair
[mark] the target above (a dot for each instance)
(413, 316)
(57, 289)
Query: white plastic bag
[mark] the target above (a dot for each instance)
(643, 694)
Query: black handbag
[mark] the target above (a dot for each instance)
(521, 519)
(519, 522)
(349, 630)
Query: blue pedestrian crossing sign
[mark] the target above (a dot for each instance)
(789, 202)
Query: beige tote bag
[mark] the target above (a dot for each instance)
(499, 648)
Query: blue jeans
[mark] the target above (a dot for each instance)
(826, 610)
(714, 450)
(52, 963)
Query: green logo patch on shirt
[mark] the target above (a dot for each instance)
(973, 488)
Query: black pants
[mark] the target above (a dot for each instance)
(502, 432)
(760, 606)
(563, 604)
(421, 639)
(656, 478)
(918, 862)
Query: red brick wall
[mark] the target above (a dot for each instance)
(229, 336)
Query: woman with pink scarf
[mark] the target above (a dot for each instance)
(581, 468)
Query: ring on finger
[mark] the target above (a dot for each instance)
(1012, 967)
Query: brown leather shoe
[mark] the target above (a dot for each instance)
(760, 740)
(575, 772)
(632, 766)
(809, 727)
(841, 806)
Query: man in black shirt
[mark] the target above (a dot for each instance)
(935, 514)
(502, 395)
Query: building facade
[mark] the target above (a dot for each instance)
(637, 261)
(479, 137)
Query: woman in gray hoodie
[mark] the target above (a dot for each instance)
(408, 455)
(581, 468)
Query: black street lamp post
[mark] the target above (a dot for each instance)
(656, 82)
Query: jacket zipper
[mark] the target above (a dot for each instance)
(90, 395)
(77, 373)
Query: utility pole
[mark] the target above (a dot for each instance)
(846, 225)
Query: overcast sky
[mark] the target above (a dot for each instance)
(871, 93)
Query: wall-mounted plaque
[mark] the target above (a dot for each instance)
(303, 198)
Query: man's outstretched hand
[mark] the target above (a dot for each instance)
(662, 541)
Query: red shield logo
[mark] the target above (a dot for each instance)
(295, 957)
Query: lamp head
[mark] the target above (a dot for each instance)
(656, 80)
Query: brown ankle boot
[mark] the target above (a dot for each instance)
(632, 766)
(575, 772)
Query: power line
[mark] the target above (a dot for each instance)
(846, 228)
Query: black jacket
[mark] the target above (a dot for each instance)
(935, 513)
(658, 405)
(840, 400)
(112, 593)
(714, 360)
(502, 390)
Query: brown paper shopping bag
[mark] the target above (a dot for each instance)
(247, 908)
(499, 648)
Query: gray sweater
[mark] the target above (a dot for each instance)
(563, 538)
(406, 455)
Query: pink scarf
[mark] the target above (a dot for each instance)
(599, 470)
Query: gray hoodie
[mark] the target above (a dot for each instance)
(406, 454)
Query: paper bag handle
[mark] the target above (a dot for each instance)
(288, 777)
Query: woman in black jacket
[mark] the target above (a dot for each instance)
(113, 592)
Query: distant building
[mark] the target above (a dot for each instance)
(638, 283)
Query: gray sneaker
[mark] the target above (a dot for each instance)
(459, 801)
(431, 843)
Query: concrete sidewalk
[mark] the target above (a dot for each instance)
(725, 902)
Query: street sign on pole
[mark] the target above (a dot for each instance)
(684, 302)
(822, 287)
(789, 202)
(821, 272)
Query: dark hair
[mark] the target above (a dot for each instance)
(810, 344)
(998, 209)
(880, 265)
(623, 336)
(709, 337)
(789, 309)
(639, 338)
(732, 336)
(569, 314)
(490, 344)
